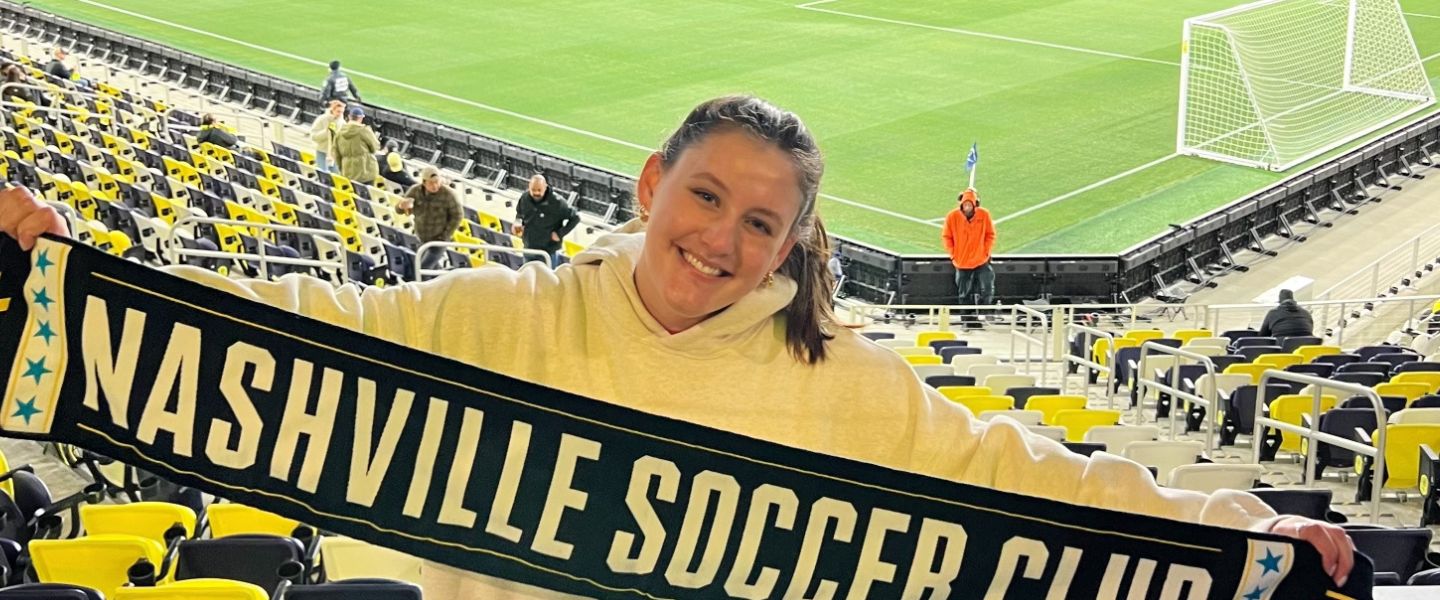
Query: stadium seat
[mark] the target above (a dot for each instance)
(1423, 366)
(925, 337)
(1164, 456)
(926, 371)
(100, 562)
(347, 558)
(1144, 335)
(938, 381)
(1416, 416)
(950, 353)
(257, 559)
(1253, 371)
(1341, 422)
(878, 335)
(1279, 361)
(914, 351)
(1002, 382)
(1402, 457)
(150, 520)
(1430, 379)
(1046, 431)
(941, 344)
(1316, 369)
(1395, 359)
(894, 342)
(1084, 448)
(1369, 352)
(1364, 378)
(1293, 343)
(1290, 408)
(1251, 341)
(1312, 503)
(959, 391)
(1391, 404)
(1253, 352)
(1311, 352)
(1048, 405)
(963, 363)
(1117, 438)
(1078, 422)
(1023, 394)
(50, 591)
(1430, 401)
(195, 589)
(922, 359)
(1023, 417)
(979, 405)
(227, 518)
(1209, 478)
(1399, 551)
(1186, 335)
(1339, 360)
(356, 589)
(1208, 342)
(1409, 391)
(981, 371)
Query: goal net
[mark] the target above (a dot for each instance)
(1274, 83)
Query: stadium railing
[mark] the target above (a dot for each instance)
(1147, 381)
(262, 259)
(1084, 364)
(427, 247)
(1315, 436)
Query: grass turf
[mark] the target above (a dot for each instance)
(895, 91)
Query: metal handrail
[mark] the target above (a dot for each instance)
(1176, 394)
(1091, 334)
(67, 91)
(264, 123)
(421, 274)
(264, 259)
(1314, 436)
(1373, 268)
(1015, 311)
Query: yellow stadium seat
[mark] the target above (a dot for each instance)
(165, 209)
(149, 520)
(341, 183)
(1253, 370)
(492, 222)
(183, 172)
(1100, 350)
(980, 404)
(269, 188)
(1431, 379)
(98, 561)
(7, 486)
(350, 236)
(572, 248)
(959, 391)
(925, 337)
(119, 243)
(344, 199)
(1402, 453)
(1050, 404)
(1079, 421)
(1290, 408)
(229, 238)
(195, 589)
(1410, 391)
(284, 212)
(1279, 361)
(346, 217)
(1185, 335)
(1310, 353)
(228, 518)
(924, 359)
(1144, 335)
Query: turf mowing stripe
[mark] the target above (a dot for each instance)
(991, 36)
(1073, 193)
(444, 96)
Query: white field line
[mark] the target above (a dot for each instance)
(459, 100)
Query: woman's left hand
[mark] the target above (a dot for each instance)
(1337, 551)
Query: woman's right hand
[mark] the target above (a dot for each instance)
(25, 218)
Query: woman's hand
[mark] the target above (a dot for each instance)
(1337, 551)
(24, 218)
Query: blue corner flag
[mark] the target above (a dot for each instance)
(972, 160)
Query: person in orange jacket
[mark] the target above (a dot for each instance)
(969, 237)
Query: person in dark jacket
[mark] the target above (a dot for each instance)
(339, 86)
(392, 165)
(215, 132)
(543, 219)
(57, 67)
(1287, 320)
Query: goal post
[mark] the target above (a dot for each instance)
(1274, 83)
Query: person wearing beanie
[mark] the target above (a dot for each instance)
(392, 166)
(1289, 319)
(354, 148)
(338, 86)
(969, 236)
(437, 212)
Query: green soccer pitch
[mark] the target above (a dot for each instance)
(1073, 102)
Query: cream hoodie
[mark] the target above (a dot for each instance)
(583, 329)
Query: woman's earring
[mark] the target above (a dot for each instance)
(644, 215)
(769, 279)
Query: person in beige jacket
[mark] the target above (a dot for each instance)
(323, 131)
(723, 280)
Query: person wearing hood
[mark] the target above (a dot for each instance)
(969, 236)
(1289, 319)
(354, 148)
(722, 279)
(338, 86)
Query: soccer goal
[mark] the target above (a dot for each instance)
(1274, 83)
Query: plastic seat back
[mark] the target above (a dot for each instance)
(980, 405)
(150, 520)
(1290, 408)
(195, 589)
(1078, 422)
(1050, 404)
(100, 562)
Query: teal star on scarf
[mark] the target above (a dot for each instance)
(45, 332)
(43, 300)
(36, 369)
(1270, 562)
(1255, 594)
(26, 409)
(43, 261)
